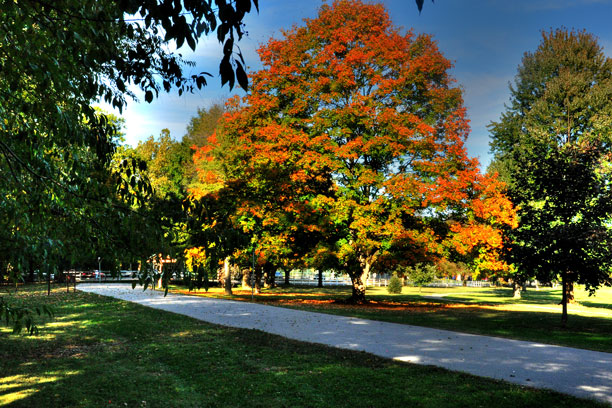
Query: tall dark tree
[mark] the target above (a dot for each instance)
(552, 147)
(56, 59)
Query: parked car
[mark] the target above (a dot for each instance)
(87, 275)
(128, 274)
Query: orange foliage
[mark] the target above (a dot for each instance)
(195, 257)
(335, 138)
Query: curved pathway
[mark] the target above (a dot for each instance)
(583, 373)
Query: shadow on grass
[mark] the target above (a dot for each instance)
(599, 305)
(541, 326)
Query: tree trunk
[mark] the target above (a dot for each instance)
(287, 277)
(227, 276)
(516, 288)
(269, 275)
(564, 287)
(258, 274)
(246, 279)
(358, 281)
(206, 281)
(359, 277)
(320, 283)
(31, 274)
(570, 292)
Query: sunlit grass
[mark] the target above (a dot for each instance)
(17, 387)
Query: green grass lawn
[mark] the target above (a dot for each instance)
(103, 352)
(489, 311)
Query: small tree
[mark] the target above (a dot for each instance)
(395, 284)
(421, 274)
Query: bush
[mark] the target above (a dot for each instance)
(421, 274)
(395, 285)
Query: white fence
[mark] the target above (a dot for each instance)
(346, 281)
(447, 283)
(333, 282)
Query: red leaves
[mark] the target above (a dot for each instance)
(355, 131)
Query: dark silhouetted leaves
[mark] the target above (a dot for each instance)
(241, 75)
(420, 4)
(149, 96)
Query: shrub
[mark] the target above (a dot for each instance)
(395, 285)
(421, 274)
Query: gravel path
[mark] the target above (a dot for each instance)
(578, 372)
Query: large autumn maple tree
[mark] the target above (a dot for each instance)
(356, 130)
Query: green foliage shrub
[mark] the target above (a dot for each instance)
(421, 274)
(395, 285)
(452, 269)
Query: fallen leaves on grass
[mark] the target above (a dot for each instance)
(320, 300)
(299, 298)
(373, 305)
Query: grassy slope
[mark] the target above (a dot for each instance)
(488, 311)
(104, 352)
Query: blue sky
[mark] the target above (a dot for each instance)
(485, 39)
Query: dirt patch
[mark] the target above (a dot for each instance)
(81, 350)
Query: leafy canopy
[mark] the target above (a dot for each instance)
(552, 145)
(61, 192)
(354, 132)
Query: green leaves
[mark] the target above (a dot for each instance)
(56, 151)
(551, 145)
(22, 317)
